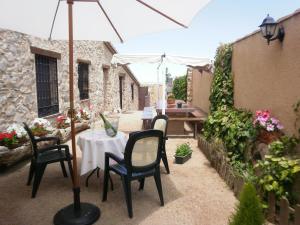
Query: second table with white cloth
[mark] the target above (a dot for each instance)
(94, 144)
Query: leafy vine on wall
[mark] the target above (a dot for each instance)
(222, 85)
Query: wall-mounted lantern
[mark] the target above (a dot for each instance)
(268, 29)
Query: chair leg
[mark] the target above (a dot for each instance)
(142, 182)
(165, 160)
(127, 191)
(31, 172)
(39, 172)
(111, 183)
(105, 185)
(63, 168)
(158, 185)
(70, 169)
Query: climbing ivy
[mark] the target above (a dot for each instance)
(222, 84)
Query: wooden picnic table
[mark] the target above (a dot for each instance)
(179, 116)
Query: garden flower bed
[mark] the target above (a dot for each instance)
(15, 146)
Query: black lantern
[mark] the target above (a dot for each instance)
(268, 29)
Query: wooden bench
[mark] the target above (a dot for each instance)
(189, 119)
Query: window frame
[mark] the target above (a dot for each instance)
(46, 85)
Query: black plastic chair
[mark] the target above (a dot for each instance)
(44, 156)
(160, 122)
(141, 159)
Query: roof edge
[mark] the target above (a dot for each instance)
(280, 20)
(113, 50)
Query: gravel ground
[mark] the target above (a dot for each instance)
(194, 193)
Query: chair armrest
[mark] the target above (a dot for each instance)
(114, 157)
(56, 147)
(49, 139)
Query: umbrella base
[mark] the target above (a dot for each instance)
(86, 215)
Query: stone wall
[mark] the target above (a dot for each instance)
(18, 98)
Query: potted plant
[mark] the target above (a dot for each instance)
(40, 127)
(62, 122)
(269, 127)
(85, 114)
(179, 105)
(183, 153)
(8, 140)
(21, 133)
(171, 99)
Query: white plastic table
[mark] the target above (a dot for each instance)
(94, 144)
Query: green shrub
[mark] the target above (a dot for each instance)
(234, 127)
(179, 88)
(249, 210)
(277, 175)
(285, 145)
(183, 150)
(222, 84)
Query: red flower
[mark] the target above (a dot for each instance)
(7, 135)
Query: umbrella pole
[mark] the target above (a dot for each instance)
(77, 213)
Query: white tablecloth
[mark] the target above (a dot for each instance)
(94, 144)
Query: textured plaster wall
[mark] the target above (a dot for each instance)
(199, 84)
(18, 98)
(268, 76)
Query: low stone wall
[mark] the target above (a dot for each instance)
(219, 160)
(10, 157)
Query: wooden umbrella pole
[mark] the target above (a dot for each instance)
(76, 186)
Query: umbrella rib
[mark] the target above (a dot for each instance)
(54, 19)
(107, 17)
(161, 13)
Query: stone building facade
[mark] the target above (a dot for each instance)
(18, 85)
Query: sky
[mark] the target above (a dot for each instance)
(221, 21)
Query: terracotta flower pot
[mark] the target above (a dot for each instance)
(171, 101)
(268, 137)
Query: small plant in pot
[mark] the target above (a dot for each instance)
(183, 153)
(171, 99)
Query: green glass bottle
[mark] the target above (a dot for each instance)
(109, 128)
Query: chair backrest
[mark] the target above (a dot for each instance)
(143, 151)
(32, 139)
(160, 122)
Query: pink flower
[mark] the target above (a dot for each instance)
(279, 126)
(258, 113)
(266, 114)
(274, 121)
(270, 127)
(262, 123)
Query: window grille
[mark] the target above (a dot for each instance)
(83, 80)
(47, 85)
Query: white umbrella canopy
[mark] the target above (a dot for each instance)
(113, 20)
(101, 20)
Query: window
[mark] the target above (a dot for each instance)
(46, 85)
(132, 92)
(83, 80)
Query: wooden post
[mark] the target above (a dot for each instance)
(297, 215)
(284, 212)
(272, 205)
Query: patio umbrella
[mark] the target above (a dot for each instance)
(112, 20)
